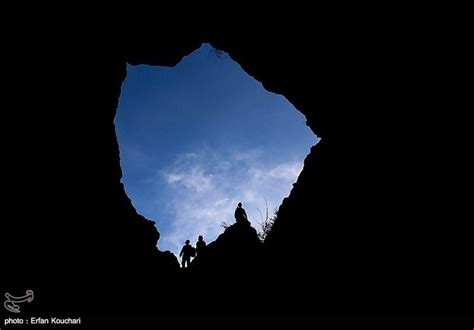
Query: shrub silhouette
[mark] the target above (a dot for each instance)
(267, 223)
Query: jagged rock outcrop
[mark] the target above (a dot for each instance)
(236, 248)
(227, 276)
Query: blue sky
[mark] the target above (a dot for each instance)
(198, 138)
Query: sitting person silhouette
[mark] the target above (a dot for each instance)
(200, 245)
(186, 253)
(240, 214)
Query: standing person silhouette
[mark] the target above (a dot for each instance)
(240, 214)
(200, 245)
(186, 253)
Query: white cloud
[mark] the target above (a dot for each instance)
(221, 202)
(134, 155)
(252, 154)
(205, 188)
(194, 179)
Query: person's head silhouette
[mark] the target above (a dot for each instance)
(200, 238)
(240, 204)
(187, 242)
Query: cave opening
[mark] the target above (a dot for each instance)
(198, 138)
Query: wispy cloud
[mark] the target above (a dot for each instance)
(193, 179)
(205, 187)
(134, 155)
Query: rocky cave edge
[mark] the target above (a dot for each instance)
(353, 235)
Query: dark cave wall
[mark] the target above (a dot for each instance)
(362, 212)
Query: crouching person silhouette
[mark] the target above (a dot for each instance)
(240, 214)
(186, 253)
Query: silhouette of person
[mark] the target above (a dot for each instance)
(186, 253)
(200, 245)
(240, 214)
